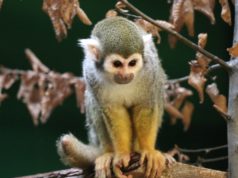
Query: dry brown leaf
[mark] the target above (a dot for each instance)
(83, 16)
(30, 92)
(206, 7)
(196, 79)
(181, 95)
(1, 2)
(7, 78)
(61, 13)
(225, 12)
(173, 112)
(36, 64)
(58, 89)
(219, 100)
(182, 13)
(187, 112)
(2, 97)
(233, 51)
(202, 60)
(188, 16)
(202, 40)
(149, 28)
(165, 24)
(120, 5)
(154, 30)
(111, 13)
(80, 87)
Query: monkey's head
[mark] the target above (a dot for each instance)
(116, 45)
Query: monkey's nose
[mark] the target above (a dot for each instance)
(123, 79)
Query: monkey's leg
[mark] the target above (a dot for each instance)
(75, 153)
(118, 124)
(146, 121)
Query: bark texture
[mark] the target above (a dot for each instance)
(233, 109)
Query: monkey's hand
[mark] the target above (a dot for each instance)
(155, 163)
(103, 166)
(121, 160)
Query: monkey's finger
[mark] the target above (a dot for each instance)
(149, 166)
(154, 168)
(126, 160)
(107, 168)
(99, 174)
(142, 158)
(169, 160)
(117, 171)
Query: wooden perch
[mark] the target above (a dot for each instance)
(178, 170)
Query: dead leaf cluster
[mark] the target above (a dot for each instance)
(62, 13)
(41, 89)
(182, 14)
(198, 69)
(177, 106)
(233, 51)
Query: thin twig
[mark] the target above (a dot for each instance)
(205, 160)
(178, 36)
(206, 150)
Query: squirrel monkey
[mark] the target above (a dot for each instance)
(123, 99)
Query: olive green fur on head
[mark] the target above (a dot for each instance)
(118, 35)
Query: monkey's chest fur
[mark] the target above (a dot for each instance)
(122, 94)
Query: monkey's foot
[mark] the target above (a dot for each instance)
(121, 160)
(155, 163)
(103, 166)
(169, 159)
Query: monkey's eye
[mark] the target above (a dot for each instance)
(132, 63)
(117, 64)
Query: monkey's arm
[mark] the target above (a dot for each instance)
(147, 120)
(119, 127)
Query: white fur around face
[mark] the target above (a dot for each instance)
(126, 69)
(147, 39)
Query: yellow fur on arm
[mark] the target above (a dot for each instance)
(119, 126)
(146, 121)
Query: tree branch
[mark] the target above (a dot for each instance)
(178, 36)
(184, 79)
(178, 170)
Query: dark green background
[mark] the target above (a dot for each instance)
(25, 149)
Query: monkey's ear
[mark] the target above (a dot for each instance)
(147, 38)
(91, 47)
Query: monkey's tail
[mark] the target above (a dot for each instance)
(74, 153)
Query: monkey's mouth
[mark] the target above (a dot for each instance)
(123, 79)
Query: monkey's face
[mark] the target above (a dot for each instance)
(123, 70)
